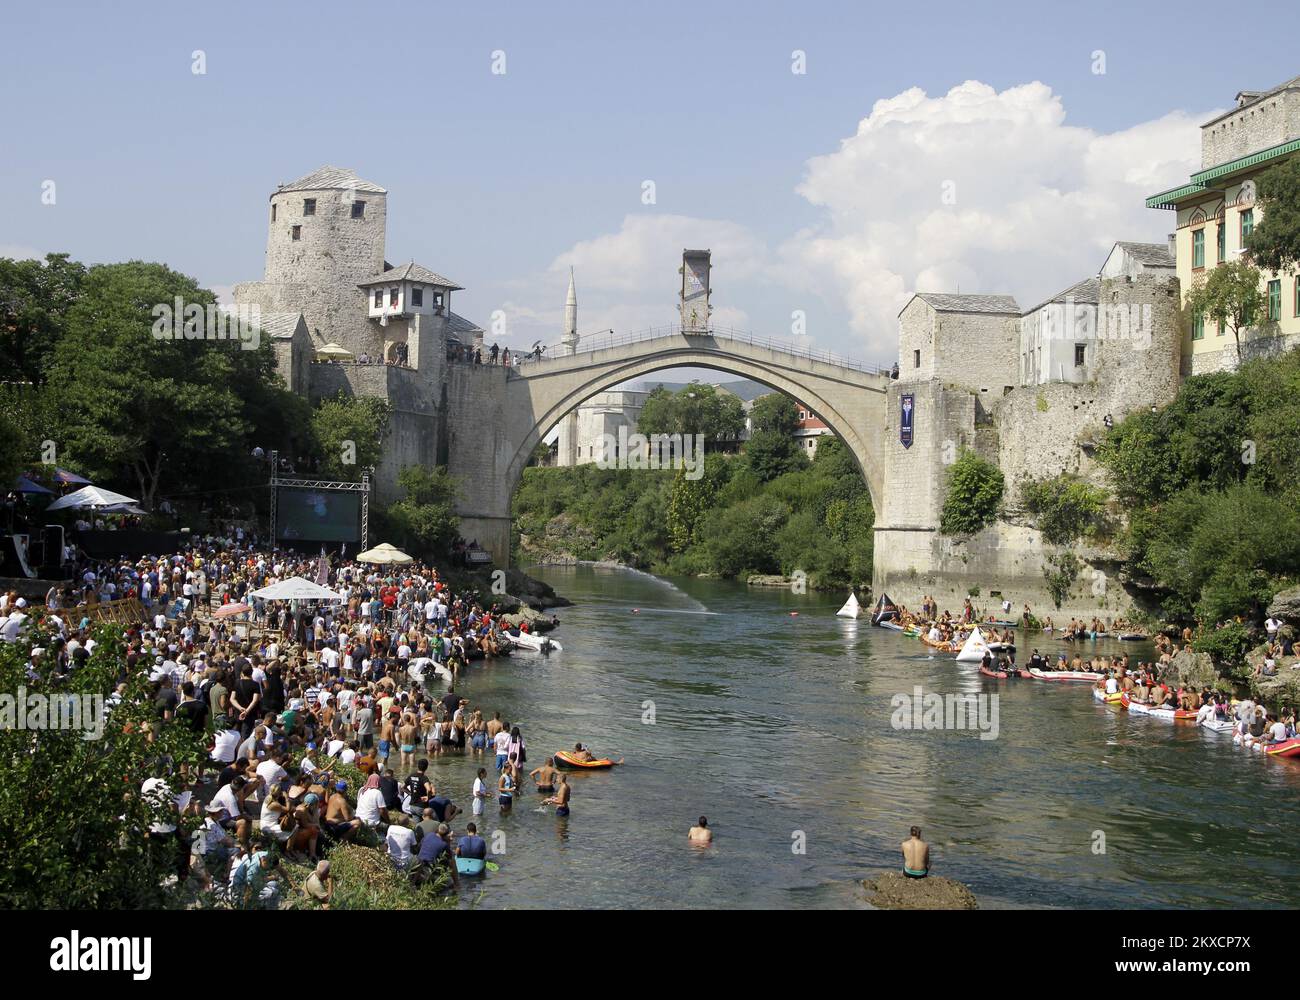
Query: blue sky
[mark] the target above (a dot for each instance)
(502, 181)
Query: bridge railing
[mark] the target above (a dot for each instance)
(604, 341)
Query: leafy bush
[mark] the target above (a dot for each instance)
(974, 495)
(1065, 508)
(1226, 645)
(1060, 571)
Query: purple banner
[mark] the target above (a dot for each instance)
(906, 419)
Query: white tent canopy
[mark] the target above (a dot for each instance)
(973, 650)
(384, 554)
(296, 589)
(91, 496)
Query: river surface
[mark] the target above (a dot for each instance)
(778, 727)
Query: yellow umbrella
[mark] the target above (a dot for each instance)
(334, 351)
(384, 554)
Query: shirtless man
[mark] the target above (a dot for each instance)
(916, 855)
(700, 833)
(494, 726)
(339, 821)
(545, 776)
(561, 797)
(582, 753)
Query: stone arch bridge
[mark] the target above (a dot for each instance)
(851, 399)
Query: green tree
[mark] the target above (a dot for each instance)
(348, 433)
(73, 823)
(35, 297)
(424, 521)
(694, 409)
(133, 408)
(1230, 295)
(973, 496)
(1274, 244)
(775, 412)
(690, 499)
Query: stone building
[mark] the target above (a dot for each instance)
(326, 280)
(1215, 213)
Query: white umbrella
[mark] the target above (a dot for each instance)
(91, 496)
(296, 589)
(384, 554)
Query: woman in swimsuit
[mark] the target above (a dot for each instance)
(506, 789)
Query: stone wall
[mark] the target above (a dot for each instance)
(413, 426)
(479, 454)
(1266, 123)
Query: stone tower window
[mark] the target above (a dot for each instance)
(358, 210)
(273, 208)
(379, 298)
(309, 206)
(916, 359)
(1079, 351)
(417, 296)
(296, 232)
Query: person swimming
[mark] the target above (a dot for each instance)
(916, 855)
(700, 833)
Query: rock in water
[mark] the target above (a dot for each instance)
(895, 891)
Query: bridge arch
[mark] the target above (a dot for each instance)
(849, 401)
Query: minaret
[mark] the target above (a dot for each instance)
(567, 446)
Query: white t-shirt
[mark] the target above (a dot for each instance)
(157, 791)
(226, 746)
(329, 658)
(229, 802)
(502, 741)
(1278, 731)
(369, 802)
(271, 773)
(1272, 625)
(400, 841)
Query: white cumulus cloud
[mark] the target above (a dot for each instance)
(977, 190)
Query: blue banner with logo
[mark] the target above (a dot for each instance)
(906, 419)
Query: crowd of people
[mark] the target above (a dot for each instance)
(289, 699)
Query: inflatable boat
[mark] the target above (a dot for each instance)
(1064, 675)
(1168, 714)
(1001, 674)
(1118, 698)
(565, 760)
(471, 866)
(1218, 725)
(945, 647)
(1287, 748)
(534, 643)
(420, 669)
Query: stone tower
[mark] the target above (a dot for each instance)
(567, 446)
(325, 235)
(694, 296)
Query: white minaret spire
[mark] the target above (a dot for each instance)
(567, 445)
(570, 338)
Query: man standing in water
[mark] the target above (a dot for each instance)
(561, 797)
(916, 855)
(545, 776)
(700, 833)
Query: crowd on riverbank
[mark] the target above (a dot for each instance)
(317, 719)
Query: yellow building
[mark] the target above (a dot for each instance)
(1216, 211)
